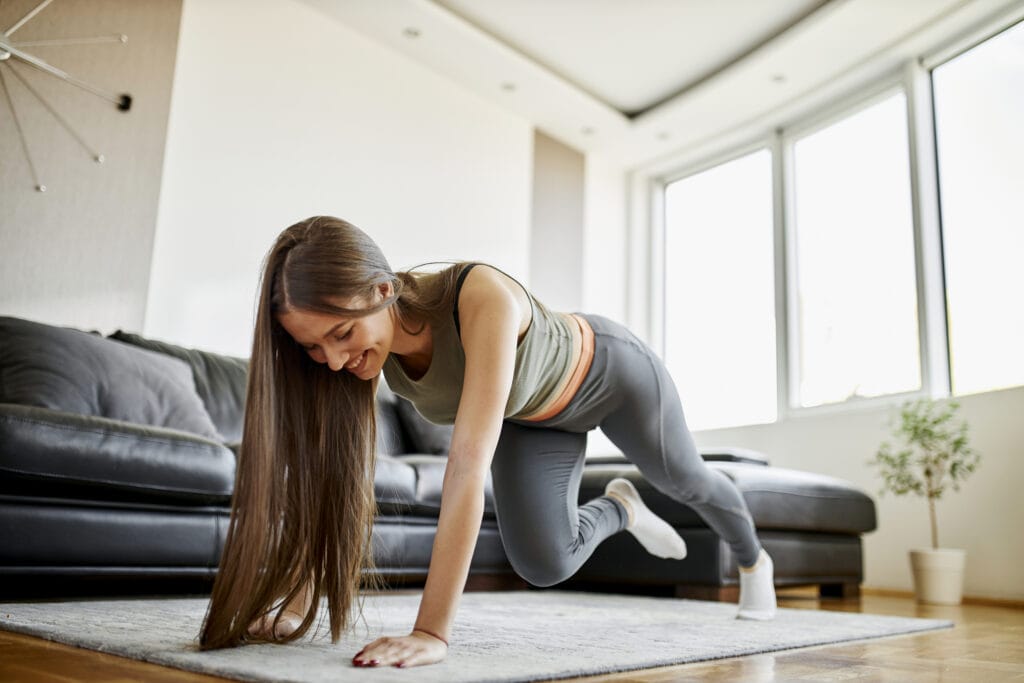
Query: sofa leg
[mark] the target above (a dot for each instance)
(495, 582)
(839, 590)
(714, 593)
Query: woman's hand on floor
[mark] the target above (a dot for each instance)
(260, 628)
(415, 649)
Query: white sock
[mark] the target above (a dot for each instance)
(654, 533)
(757, 590)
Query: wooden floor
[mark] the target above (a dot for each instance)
(986, 646)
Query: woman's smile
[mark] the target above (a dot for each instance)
(357, 362)
(356, 366)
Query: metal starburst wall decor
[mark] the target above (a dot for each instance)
(13, 52)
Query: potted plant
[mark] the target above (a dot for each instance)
(932, 455)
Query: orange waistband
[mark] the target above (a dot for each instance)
(549, 410)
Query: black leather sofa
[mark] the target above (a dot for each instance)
(117, 459)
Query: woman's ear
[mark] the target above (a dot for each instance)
(386, 289)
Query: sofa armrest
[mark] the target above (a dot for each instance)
(734, 454)
(726, 454)
(43, 444)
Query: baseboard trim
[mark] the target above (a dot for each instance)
(967, 600)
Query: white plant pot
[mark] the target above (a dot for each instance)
(938, 575)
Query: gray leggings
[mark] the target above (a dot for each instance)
(537, 465)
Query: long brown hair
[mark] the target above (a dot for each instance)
(303, 505)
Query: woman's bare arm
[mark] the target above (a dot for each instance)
(490, 318)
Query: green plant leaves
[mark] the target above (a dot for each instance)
(934, 454)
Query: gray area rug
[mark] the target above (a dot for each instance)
(500, 636)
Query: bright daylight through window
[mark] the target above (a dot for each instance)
(856, 309)
(852, 280)
(979, 110)
(719, 293)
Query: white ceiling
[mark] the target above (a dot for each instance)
(644, 80)
(633, 55)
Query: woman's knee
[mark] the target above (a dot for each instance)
(540, 568)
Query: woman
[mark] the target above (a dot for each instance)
(522, 385)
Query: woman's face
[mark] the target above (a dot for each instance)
(358, 345)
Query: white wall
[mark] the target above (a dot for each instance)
(556, 257)
(279, 113)
(986, 517)
(604, 238)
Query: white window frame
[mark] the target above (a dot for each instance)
(932, 281)
(658, 238)
(839, 110)
(913, 78)
(734, 153)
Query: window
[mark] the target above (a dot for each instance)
(720, 294)
(979, 107)
(856, 323)
(853, 328)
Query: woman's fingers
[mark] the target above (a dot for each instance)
(380, 652)
(417, 658)
(404, 651)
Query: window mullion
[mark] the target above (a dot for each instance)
(931, 298)
(780, 185)
(657, 260)
(789, 276)
(644, 220)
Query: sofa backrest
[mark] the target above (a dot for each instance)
(390, 436)
(403, 431)
(219, 380)
(136, 379)
(65, 369)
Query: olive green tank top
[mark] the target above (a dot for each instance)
(543, 357)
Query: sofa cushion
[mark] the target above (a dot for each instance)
(430, 481)
(411, 485)
(87, 538)
(394, 484)
(73, 371)
(220, 380)
(46, 453)
(422, 435)
(778, 498)
(390, 439)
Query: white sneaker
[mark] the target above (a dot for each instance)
(757, 590)
(655, 534)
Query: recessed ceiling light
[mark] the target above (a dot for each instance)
(779, 78)
(411, 32)
(508, 87)
(587, 130)
(664, 135)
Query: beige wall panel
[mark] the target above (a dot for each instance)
(79, 254)
(556, 233)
